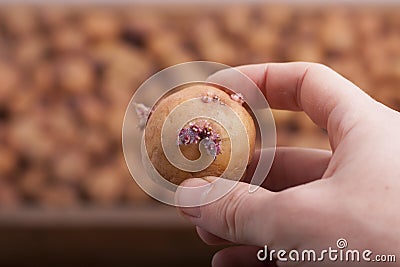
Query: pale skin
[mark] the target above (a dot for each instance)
(311, 197)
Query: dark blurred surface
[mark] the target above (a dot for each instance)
(93, 246)
(145, 236)
(66, 77)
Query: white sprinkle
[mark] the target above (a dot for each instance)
(238, 98)
(143, 113)
(206, 99)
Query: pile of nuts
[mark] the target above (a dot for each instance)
(67, 74)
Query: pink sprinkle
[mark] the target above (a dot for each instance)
(238, 98)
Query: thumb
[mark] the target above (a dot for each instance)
(236, 216)
(257, 218)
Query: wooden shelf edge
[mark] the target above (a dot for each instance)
(144, 215)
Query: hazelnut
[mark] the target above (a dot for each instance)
(9, 77)
(58, 196)
(104, 186)
(101, 24)
(20, 21)
(75, 74)
(8, 162)
(68, 39)
(9, 197)
(32, 182)
(70, 166)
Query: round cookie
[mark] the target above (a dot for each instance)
(216, 138)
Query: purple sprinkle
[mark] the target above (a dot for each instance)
(194, 133)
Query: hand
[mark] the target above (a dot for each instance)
(311, 198)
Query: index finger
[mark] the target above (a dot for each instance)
(331, 101)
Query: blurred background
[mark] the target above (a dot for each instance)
(67, 73)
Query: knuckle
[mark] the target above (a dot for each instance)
(278, 213)
(293, 209)
(319, 67)
(288, 207)
(232, 211)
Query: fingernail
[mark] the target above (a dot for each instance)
(192, 212)
(190, 195)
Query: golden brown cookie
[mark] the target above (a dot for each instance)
(217, 140)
